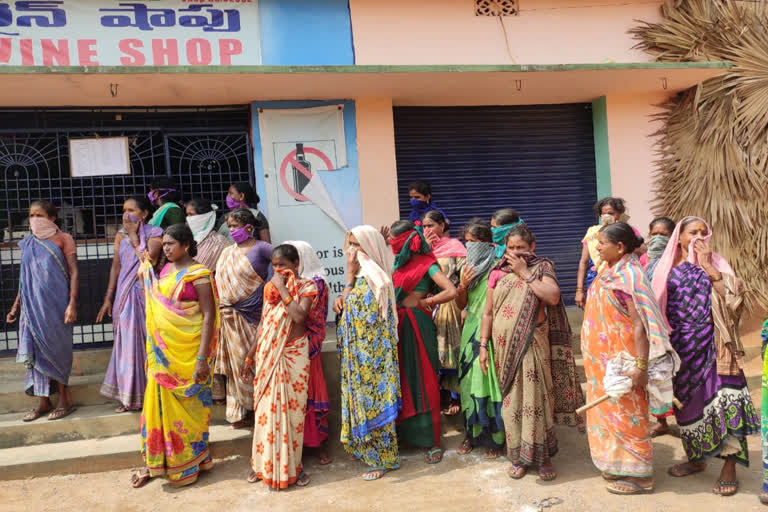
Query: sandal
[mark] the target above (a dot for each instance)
(303, 480)
(59, 413)
(253, 477)
(434, 456)
(375, 473)
(491, 454)
(452, 410)
(33, 414)
(611, 478)
(324, 459)
(517, 472)
(465, 447)
(547, 472)
(140, 478)
(633, 488)
(725, 484)
(686, 469)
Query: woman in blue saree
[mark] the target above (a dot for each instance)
(47, 307)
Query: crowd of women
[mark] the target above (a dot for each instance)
(205, 310)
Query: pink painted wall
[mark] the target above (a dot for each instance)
(631, 152)
(376, 153)
(545, 32)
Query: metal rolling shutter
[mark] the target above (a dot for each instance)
(538, 159)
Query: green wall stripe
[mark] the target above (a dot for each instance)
(602, 149)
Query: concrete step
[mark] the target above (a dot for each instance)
(83, 388)
(97, 455)
(84, 362)
(89, 422)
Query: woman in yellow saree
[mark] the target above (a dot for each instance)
(280, 361)
(182, 321)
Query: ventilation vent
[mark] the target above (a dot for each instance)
(495, 7)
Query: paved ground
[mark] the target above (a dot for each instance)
(460, 483)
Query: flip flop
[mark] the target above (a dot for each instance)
(491, 454)
(677, 472)
(324, 460)
(611, 478)
(33, 414)
(59, 413)
(303, 480)
(724, 483)
(429, 459)
(635, 488)
(139, 478)
(465, 447)
(517, 472)
(547, 473)
(368, 477)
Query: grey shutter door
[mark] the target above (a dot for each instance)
(538, 159)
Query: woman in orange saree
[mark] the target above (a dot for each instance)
(621, 315)
(280, 361)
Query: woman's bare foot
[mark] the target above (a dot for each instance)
(661, 428)
(246, 422)
(727, 484)
(323, 458)
(491, 454)
(303, 480)
(453, 409)
(687, 468)
(253, 477)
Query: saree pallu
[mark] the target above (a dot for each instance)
(177, 410)
(126, 377)
(480, 394)
(764, 406)
(281, 369)
(318, 403)
(448, 324)
(535, 365)
(717, 412)
(45, 341)
(370, 379)
(210, 249)
(618, 430)
(239, 286)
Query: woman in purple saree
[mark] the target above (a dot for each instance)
(126, 376)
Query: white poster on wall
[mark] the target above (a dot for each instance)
(306, 175)
(99, 157)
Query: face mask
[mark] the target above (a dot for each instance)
(416, 203)
(240, 235)
(606, 219)
(42, 227)
(130, 218)
(656, 246)
(233, 205)
(154, 195)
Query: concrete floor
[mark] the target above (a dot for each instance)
(465, 484)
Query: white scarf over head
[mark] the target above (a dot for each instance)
(376, 262)
(309, 263)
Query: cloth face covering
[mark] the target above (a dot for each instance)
(201, 224)
(240, 235)
(233, 205)
(656, 246)
(154, 195)
(500, 236)
(42, 228)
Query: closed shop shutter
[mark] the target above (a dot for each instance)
(538, 159)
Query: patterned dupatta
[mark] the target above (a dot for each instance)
(525, 306)
(240, 286)
(174, 327)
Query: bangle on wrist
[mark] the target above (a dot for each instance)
(287, 300)
(248, 361)
(200, 358)
(531, 279)
(641, 364)
(349, 285)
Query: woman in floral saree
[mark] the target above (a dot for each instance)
(367, 343)
(525, 319)
(702, 299)
(182, 321)
(280, 362)
(450, 254)
(621, 315)
(415, 278)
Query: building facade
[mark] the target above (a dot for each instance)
(330, 108)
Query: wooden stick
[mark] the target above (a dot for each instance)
(677, 403)
(592, 404)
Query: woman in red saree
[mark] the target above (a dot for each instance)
(280, 362)
(416, 277)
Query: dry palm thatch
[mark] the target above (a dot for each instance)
(713, 147)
